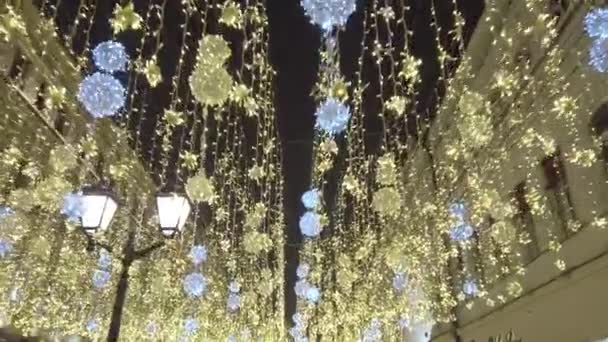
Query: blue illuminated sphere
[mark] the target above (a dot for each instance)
(329, 13)
(92, 326)
(234, 302)
(110, 56)
(234, 286)
(598, 55)
(310, 198)
(195, 284)
(72, 206)
(301, 288)
(373, 332)
(100, 279)
(151, 328)
(399, 281)
(461, 232)
(313, 294)
(302, 270)
(190, 325)
(105, 260)
(298, 320)
(298, 334)
(332, 116)
(5, 212)
(310, 224)
(404, 323)
(458, 210)
(198, 254)
(101, 95)
(469, 287)
(6, 247)
(231, 338)
(596, 23)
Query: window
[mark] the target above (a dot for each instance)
(557, 8)
(556, 186)
(599, 125)
(525, 222)
(18, 67)
(523, 57)
(40, 97)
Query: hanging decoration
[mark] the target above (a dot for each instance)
(408, 175)
(101, 95)
(328, 14)
(110, 56)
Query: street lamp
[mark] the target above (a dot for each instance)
(173, 210)
(97, 208)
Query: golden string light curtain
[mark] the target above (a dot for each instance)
(440, 170)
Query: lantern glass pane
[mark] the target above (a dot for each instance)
(172, 211)
(108, 213)
(97, 211)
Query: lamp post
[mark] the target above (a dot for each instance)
(97, 208)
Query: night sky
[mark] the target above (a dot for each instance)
(294, 46)
(294, 49)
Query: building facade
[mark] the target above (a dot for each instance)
(563, 291)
